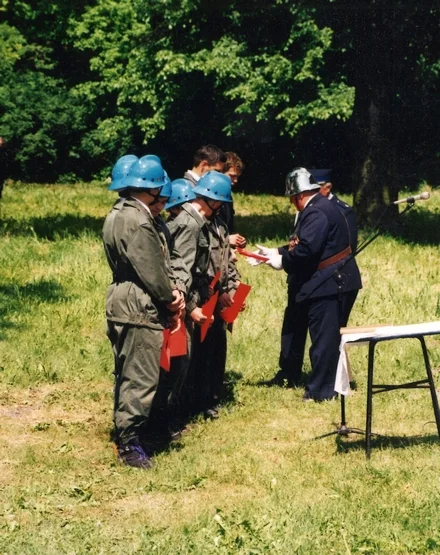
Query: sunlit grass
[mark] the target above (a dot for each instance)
(256, 480)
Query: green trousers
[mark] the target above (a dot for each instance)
(136, 353)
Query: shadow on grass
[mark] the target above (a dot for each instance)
(265, 228)
(422, 228)
(53, 227)
(230, 382)
(344, 445)
(18, 298)
(415, 227)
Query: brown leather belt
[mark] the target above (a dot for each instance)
(335, 258)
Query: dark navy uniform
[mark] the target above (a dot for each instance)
(314, 295)
(348, 299)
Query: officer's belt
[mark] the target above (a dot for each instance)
(335, 258)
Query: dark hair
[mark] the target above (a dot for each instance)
(233, 161)
(209, 153)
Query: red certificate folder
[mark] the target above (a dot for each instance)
(230, 313)
(215, 279)
(209, 307)
(252, 255)
(165, 353)
(208, 310)
(177, 343)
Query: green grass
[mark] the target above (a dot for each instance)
(255, 481)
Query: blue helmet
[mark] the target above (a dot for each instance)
(181, 191)
(120, 170)
(166, 189)
(146, 173)
(214, 185)
(152, 157)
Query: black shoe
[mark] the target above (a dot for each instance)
(281, 379)
(175, 435)
(211, 414)
(132, 454)
(307, 397)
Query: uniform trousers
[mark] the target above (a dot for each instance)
(321, 317)
(180, 383)
(136, 353)
(209, 365)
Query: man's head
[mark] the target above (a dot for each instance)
(233, 167)
(208, 158)
(213, 189)
(181, 191)
(300, 185)
(323, 178)
(145, 179)
(158, 204)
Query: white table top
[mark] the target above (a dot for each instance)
(343, 373)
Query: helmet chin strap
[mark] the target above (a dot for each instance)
(155, 197)
(214, 211)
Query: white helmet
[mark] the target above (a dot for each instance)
(300, 180)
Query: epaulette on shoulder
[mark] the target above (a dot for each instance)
(342, 203)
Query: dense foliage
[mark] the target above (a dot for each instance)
(282, 82)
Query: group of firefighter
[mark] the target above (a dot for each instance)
(165, 274)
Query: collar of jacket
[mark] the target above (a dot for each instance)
(313, 200)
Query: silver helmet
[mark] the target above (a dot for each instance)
(300, 180)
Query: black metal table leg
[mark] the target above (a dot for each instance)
(434, 398)
(371, 347)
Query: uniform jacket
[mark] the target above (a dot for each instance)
(179, 271)
(350, 217)
(226, 213)
(222, 257)
(138, 257)
(322, 233)
(191, 238)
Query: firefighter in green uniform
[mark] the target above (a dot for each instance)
(209, 357)
(193, 241)
(141, 301)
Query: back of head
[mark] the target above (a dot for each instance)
(210, 154)
(120, 171)
(146, 173)
(215, 186)
(299, 180)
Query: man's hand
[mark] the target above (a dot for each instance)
(275, 261)
(198, 317)
(225, 300)
(266, 251)
(237, 240)
(178, 304)
(175, 322)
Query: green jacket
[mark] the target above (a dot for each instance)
(222, 257)
(180, 274)
(138, 256)
(191, 239)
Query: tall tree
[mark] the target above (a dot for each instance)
(389, 53)
(187, 72)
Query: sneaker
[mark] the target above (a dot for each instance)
(132, 454)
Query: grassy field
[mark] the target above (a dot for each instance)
(255, 481)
